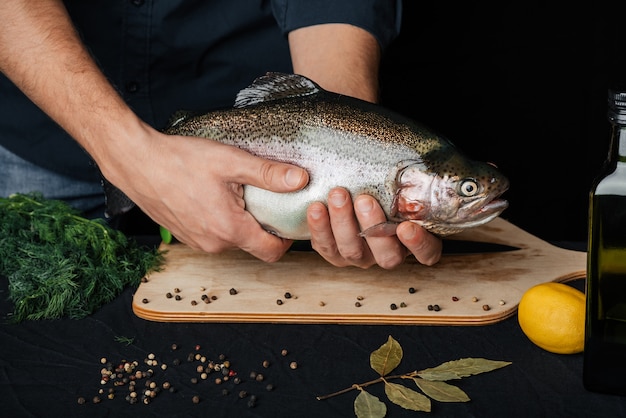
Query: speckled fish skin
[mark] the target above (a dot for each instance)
(341, 141)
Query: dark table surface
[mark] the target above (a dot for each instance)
(45, 366)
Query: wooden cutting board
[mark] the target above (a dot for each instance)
(470, 289)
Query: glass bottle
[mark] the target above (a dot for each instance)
(604, 367)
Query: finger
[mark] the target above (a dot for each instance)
(346, 229)
(425, 246)
(245, 168)
(322, 238)
(387, 251)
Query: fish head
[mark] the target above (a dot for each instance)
(450, 197)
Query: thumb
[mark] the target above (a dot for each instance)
(271, 175)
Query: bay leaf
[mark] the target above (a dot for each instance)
(369, 406)
(407, 398)
(441, 391)
(458, 369)
(386, 357)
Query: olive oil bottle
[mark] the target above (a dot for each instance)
(605, 329)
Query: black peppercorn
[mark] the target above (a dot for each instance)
(279, 302)
(169, 295)
(178, 297)
(243, 394)
(144, 300)
(411, 290)
(436, 308)
(232, 291)
(287, 295)
(269, 387)
(393, 306)
(431, 307)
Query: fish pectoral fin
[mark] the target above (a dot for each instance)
(383, 229)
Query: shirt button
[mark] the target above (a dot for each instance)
(137, 2)
(132, 87)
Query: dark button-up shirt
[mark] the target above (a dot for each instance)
(168, 55)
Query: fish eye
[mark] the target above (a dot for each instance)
(469, 187)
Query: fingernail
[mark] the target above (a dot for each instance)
(293, 177)
(337, 199)
(364, 205)
(315, 212)
(409, 231)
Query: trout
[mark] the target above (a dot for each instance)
(414, 173)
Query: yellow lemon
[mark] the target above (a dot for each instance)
(552, 315)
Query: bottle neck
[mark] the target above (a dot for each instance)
(618, 144)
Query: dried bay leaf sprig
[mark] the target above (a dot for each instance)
(60, 264)
(432, 382)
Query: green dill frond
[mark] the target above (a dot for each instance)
(60, 264)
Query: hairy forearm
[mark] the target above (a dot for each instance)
(43, 55)
(340, 57)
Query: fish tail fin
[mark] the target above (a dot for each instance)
(117, 203)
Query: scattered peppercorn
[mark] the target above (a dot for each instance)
(243, 394)
(194, 380)
(269, 387)
(431, 307)
(403, 305)
(169, 295)
(411, 290)
(259, 377)
(393, 306)
(178, 297)
(176, 290)
(144, 300)
(293, 365)
(284, 352)
(359, 298)
(279, 302)
(357, 304)
(232, 291)
(81, 400)
(322, 303)
(474, 299)
(455, 299)
(144, 279)
(213, 297)
(266, 364)
(486, 307)
(195, 399)
(96, 399)
(436, 308)
(194, 303)
(225, 392)
(237, 380)
(174, 347)
(501, 302)
(287, 295)
(253, 375)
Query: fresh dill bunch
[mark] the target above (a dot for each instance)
(60, 264)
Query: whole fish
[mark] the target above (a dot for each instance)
(414, 173)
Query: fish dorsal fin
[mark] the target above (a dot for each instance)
(275, 86)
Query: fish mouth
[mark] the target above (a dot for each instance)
(486, 213)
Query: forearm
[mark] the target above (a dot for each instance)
(43, 55)
(340, 57)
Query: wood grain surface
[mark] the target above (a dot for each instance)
(462, 285)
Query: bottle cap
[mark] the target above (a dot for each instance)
(617, 106)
